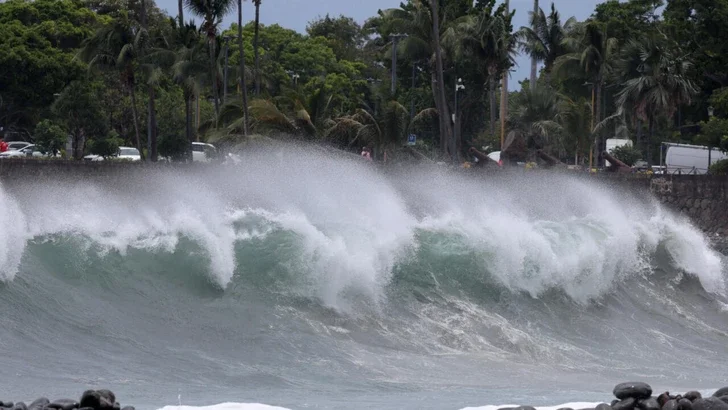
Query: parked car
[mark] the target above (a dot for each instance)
(29, 151)
(17, 145)
(203, 152)
(125, 153)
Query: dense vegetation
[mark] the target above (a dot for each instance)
(122, 71)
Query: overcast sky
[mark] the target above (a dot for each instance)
(296, 13)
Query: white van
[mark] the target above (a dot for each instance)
(203, 152)
(690, 159)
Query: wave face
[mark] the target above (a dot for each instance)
(300, 278)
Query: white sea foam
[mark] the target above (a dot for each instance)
(355, 225)
(227, 406)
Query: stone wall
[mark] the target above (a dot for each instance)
(703, 198)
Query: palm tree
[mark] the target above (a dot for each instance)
(575, 120)
(487, 37)
(656, 82)
(116, 47)
(243, 85)
(212, 11)
(384, 133)
(190, 71)
(181, 13)
(534, 113)
(593, 52)
(416, 20)
(544, 39)
(534, 62)
(435, 12)
(255, 46)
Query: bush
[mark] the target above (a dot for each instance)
(49, 137)
(174, 146)
(627, 154)
(719, 167)
(108, 146)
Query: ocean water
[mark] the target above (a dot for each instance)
(305, 280)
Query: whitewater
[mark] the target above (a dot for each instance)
(304, 279)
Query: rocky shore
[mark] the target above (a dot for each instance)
(639, 396)
(90, 400)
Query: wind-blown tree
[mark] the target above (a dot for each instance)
(256, 50)
(115, 47)
(534, 113)
(594, 53)
(212, 11)
(534, 61)
(485, 38)
(574, 117)
(656, 82)
(421, 44)
(241, 73)
(543, 41)
(383, 132)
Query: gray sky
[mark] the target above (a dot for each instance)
(295, 14)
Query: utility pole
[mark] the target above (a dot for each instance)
(395, 40)
(453, 148)
(504, 98)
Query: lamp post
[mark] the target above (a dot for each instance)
(395, 40)
(453, 144)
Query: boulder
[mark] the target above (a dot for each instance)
(604, 406)
(626, 404)
(635, 390)
(685, 404)
(648, 404)
(663, 398)
(723, 391)
(7, 404)
(710, 403)
(693, 395)
(670, 405)
(63, 404)
(39, 404)
(20, 406)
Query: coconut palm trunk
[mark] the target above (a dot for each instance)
(255, 47)
(504, 97)
(534, 63)
(445, 121)
(135, 117)
(492, 103)
(181, 13)
(243, 85)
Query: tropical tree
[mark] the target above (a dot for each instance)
(255, 46)
(241, 74)
(212, 11)
(656, 82)
(544, 40)
(534, 113)
(592, 52)
(115, 47)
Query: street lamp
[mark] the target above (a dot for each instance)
(453, 144)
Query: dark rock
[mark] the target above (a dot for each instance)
(724, 398)
(20, 406)
(710, 403)
(525, 408)
(132, 408)
(116, 406)
(721, 392)
(86, 408)
(8, 404)
(626, 404)
(64, 404)
(605, 406)
(663, 398)
(615, 401)
(91, 398)
(108, 395)
(636, 390)
(693, 395)
(685, 404)
(39, 404)
(649, 404)
(670, 405)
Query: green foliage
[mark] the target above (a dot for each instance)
(49, 137)
(343, 35)
(719, 167)
(108, 146)
(714, 133)
(627, 154)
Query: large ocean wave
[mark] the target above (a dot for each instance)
(327, 267)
